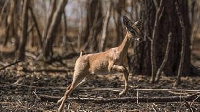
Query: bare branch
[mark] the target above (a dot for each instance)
(149, 38)
(155, 3)
(165, 58)
(124, 99)
(105, 27)
(10, 65)
(161, 3)
(159, 12)
(180, 69)
(4, 7)
(36, 26)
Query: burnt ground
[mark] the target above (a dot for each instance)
(20, 86)
(19, 89)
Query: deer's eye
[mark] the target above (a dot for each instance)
(133, 32)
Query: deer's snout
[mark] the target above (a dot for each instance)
(138, 39)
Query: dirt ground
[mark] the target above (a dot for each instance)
(20, 86)
(19, 90)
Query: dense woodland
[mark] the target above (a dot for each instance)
(39, 38)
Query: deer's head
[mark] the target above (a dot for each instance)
(132, 29)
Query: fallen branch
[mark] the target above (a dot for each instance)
(183, 44)
(4, 85)
(48, 70)
(8, 85)
(10, 65)
(125, 99)
(61, 58)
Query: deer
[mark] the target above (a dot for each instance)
(113, 60)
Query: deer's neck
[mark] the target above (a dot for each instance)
(123, 48)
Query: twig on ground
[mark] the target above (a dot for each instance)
(10, 65)
(48, 70)
(5, 84)
(125, 99)
(154, 106)
(188, 106)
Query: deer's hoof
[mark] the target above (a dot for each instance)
(122, 93)
(59, 101)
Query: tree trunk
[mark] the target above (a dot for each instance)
(93, 25)
(48, 44)
(168, 22)
(158, 15)
(119, 8)
(49, 19)
(10, 22)
(21, 50)
(181, 63)
(36, 27)
(105, 26)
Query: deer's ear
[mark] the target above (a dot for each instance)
(138, 23)
(126, 21)
(131, 29)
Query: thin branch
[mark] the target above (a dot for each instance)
(47, 70)
(10, 65)
(4, 8)
(36, 26)
(30, 28)
(11, 85)
(149, 38)
(105, 26)
(155, 3)
(188, 106)
(159, 12)
(180, 69)
(49, 19)
(165, 58)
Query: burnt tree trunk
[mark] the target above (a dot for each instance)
(169, 22)
(21, 50)
(47, 50)
(10, 22)
(36, 27)
(93, 25)
(49, 19)
(119, 9)
(105, 27)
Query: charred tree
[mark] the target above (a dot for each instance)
(158, 15)
(10, 22)
(47, 50)
(181, 63)
(93, 25)
(169, 22)
(105, 26)
(49, 19)
(23, 41)
(119, 8)
(36, 27)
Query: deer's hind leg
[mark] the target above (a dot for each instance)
(76, 81)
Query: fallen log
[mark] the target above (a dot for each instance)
(48, 70)
(192, 98)
(7, 84)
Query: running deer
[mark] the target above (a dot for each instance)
(111, 61)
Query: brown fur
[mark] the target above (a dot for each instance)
(112, 60)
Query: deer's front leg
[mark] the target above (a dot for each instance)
(123, 70)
